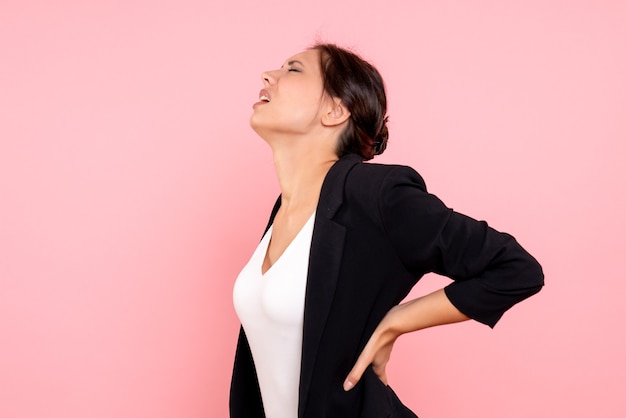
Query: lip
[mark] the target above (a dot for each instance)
(265, 93)
(262, 93)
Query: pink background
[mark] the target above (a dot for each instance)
(133, 191)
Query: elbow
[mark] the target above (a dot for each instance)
(533, 276)
(529, 272)
(537, 273)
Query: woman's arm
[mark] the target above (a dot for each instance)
(426, 311)
(491, 271)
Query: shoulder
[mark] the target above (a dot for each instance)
(378, 178)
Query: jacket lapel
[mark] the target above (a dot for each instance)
(324, 264)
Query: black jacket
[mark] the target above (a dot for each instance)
(376, 233)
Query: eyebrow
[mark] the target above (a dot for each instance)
(292, 62)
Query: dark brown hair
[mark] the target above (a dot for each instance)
(361, 89)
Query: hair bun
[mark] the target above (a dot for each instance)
(380, 142)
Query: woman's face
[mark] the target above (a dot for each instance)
(292, 99)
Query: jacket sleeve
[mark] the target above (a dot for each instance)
(491, 271)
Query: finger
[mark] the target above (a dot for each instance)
(357, 371)
(353, 378)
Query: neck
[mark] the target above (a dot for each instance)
(300, 175)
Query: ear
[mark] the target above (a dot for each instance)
(336, 114)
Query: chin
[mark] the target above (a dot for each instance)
(255, 123)
(258, 127)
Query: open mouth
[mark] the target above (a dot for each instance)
(264, 96)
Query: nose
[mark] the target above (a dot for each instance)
(268, 78)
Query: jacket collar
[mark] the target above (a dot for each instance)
(324, 265)
(331, 195)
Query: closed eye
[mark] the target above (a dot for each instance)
(294, 70)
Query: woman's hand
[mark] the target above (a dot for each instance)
(376, 352)
(426, 311)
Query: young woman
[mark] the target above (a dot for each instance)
(345, 243)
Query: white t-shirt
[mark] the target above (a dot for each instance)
(270, 307)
